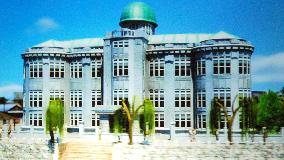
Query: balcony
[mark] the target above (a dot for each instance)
(126, 33)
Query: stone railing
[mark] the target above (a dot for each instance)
(86, 50)
(46, 50)
(126, 33)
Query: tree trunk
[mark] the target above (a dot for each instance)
(130, 132)
(51, 136)
(230, 133)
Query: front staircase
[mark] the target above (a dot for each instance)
(85, 149)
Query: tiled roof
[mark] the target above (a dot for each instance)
(87, 42)
(178, 38)
(153, 39)
(223, 35)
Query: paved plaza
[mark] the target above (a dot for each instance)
(35, 146)
(173, 151)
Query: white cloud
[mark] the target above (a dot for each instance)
(43, 25)
(268, 68)
(46, 24)
(8, 90)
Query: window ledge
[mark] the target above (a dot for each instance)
(121, 78)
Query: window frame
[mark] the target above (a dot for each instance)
(76, 69)
(120, 67)
(56, 68)
(157, 96)
(54, 94)
(201, 121)
(182, 66)
(35, 98)
(159, 120)
(96, 66)
(201, 98)
(96, 98)
(182, 123)
(182, 98)
(36, 119)
(95, 120)
(76, 98)
(221, 64)
(119, 95)
(36, 68)
(75, 119)
(201, 67)
(157, 67)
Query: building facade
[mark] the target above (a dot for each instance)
(180, 73)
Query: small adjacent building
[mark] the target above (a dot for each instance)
(13, 116)
(180, 73)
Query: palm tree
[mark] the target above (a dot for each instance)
(118, 122)
(147, 119)
(3, 101)
(131, 114)
(55, 118)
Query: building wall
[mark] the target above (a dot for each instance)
(193, 91)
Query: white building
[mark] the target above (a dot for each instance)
(180, 73)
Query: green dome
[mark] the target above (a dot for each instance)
(138, 11)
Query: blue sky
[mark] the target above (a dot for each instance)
(27, 23)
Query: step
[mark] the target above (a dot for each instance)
(85, 150)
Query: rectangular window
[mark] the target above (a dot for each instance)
(35, 98)
(157, 97)
(119, 95)
(159, 120)
(96, 67)
(76, 98)
(56, 68)
(120, 67)
(244, 64)
(95, 120)
(244, 92)
(76, 69)
(201, 121)
(56, 95)
(35, 119)
(224, 95)
(201, 99)
(221, 64)
(35, 69)
(182, 98)
(201, 67)
(156, 67)
(182, 120)
(222, 121)
(120, 44)
(96, 98)
(75, 118)
(182, 66)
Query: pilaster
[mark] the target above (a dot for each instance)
(169, 90)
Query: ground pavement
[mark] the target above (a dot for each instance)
(164, 149)
(73, 146)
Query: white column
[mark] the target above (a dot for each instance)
(169, 92)
(235, 85)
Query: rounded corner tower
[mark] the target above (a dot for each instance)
(138, 15)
